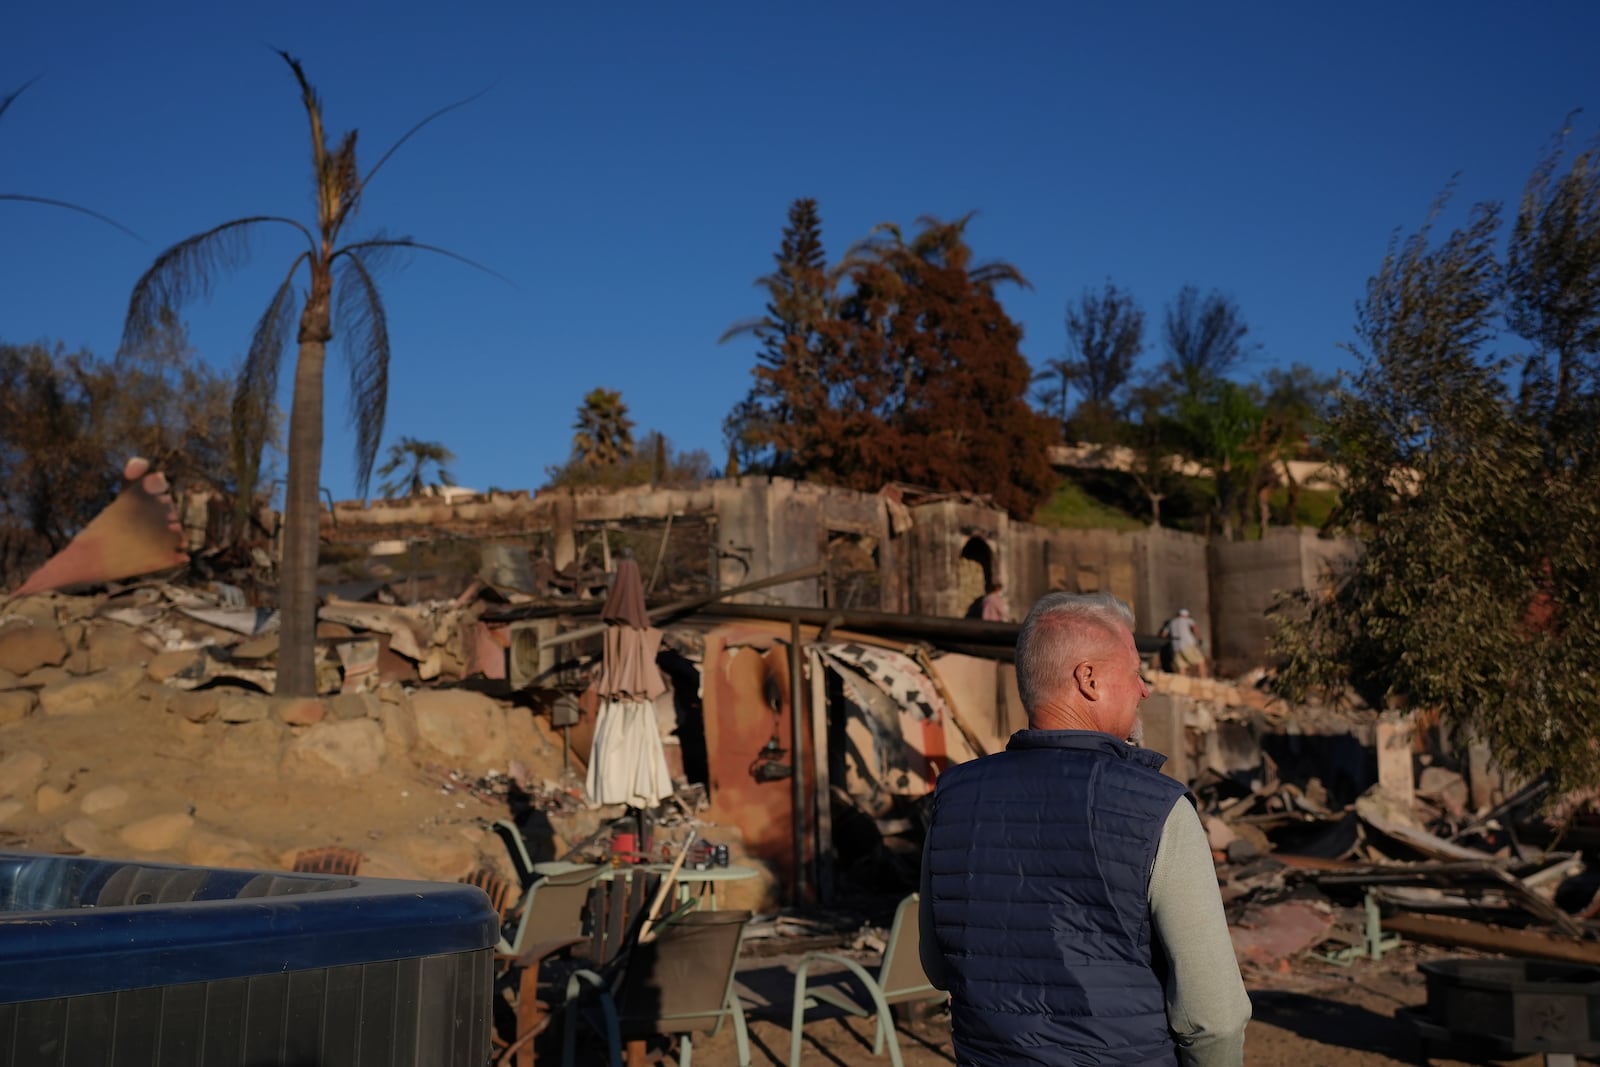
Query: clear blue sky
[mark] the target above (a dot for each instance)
(630, 166)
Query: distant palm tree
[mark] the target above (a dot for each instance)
(340, 284)
(413, 457)
(6, 102)
(604, 433)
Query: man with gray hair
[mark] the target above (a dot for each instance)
(1069, 903)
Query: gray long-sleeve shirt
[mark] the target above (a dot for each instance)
(1207, 1007)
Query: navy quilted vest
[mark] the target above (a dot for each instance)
(1039, 863)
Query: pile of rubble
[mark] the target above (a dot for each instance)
(1304, 876)
(127, 718)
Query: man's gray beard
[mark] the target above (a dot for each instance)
(1136, 735)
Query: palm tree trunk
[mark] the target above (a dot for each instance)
(302, 511)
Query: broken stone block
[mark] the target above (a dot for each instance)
(85, 836)
(106, 798)
(205, 847)
(47, 676)
(100, 691)
(195, 705)
(461, 725)
(20, 773)
(17, 704)
(341, 750)
(158, 832)
(242, 707)
(10, 809)
(1393, 742)
(253, 747)
(111, 644)
(1219, 835)
(48, 800)
(399, 724)
(1242, 850)
(24, 649)
(345, 706)
(164, 665)
(439, 858)
(1446, 785)
(295, 711)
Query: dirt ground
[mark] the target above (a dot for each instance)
(1314, 1015)
(408, 817)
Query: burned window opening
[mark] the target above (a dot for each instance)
(855, 578)
(974, 571)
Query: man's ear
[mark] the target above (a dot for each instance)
(1083, 675)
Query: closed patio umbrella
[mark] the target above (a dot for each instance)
(627, 764)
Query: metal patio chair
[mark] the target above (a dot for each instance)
(900, 980)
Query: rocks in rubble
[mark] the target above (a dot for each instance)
(21, 772)
(381, 863)
(46, 676)
(441, 858)
(1242, 850)
(299, 711)
(92, 692)
(186, 663)
(465, 727)
(339, 750)
(195, 705)
(238, 707)
(17, 704)
(8, 680)
(85, 836)
(106, 798)
(346, 706)
(205, 847)
(1219, 835)
(111, 644)
(48, 800)
(1445, 786)
(24, 649)
(398, 719)
(157, 833)
(254, 747)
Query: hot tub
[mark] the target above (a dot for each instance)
(110, 963)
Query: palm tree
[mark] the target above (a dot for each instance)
(414, 456)
(603, 433)
(6, 102)
(340, 285)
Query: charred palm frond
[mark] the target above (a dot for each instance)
(26, 198)
(364, 336)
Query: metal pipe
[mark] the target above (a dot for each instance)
(684, 607)
(949, 633)
(970, 631)
(797, 774)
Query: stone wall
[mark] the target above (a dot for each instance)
(1246, 578)
(928, 559)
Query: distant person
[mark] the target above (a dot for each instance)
(1069, 902)
(1183, 643)
(991, 607)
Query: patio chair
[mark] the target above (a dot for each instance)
(518, 848)
(548, 920)
(678, 983)
(900, 980)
